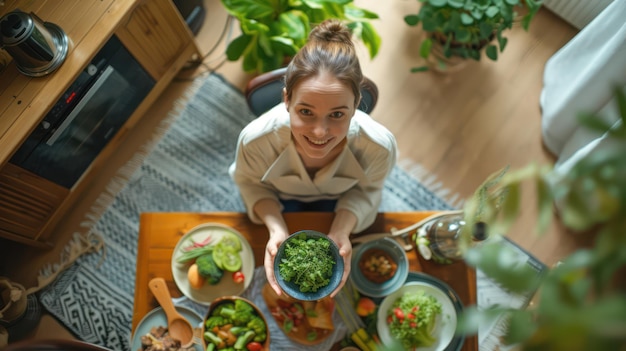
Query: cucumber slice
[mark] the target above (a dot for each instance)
(231, 261)
(230, 241)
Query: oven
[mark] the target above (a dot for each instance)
(86, 117)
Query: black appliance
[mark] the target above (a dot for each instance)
(193, 12)
(86, 117)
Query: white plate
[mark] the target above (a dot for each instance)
(156, 318)
(445, 323)
(226, 286)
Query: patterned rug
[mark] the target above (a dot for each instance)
(184, 170)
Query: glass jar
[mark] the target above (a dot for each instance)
(441, 238)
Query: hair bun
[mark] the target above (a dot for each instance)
(331, 30)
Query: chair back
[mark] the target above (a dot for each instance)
(266, 91)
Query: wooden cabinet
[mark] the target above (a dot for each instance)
(156, 36)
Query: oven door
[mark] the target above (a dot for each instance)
(66, 151)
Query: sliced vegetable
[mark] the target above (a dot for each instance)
(244, 339)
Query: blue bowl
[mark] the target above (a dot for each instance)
(292, 289)
(366, 286)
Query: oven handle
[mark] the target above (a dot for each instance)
(84, 100)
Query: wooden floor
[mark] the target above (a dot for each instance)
(459, 127)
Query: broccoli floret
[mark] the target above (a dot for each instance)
(240, 313)
(208, 269)
(243, 307)
(216, 321)
(259, 327)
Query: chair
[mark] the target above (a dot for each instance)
(53, 345)
(265, 91)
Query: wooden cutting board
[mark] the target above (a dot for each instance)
(323, 309)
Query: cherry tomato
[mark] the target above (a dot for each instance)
(238, 277)
(254, 346)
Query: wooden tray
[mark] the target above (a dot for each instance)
(323, 322)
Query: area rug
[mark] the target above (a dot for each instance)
(185, 169)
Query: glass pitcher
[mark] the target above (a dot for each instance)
(441, 238)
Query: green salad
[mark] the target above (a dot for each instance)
(411, 319)
(307, 262)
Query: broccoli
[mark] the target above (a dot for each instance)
(216, 321)
(241, 313)
(412, 319)
(259, 327)
(208, 269)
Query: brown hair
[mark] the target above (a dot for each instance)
(329, 49)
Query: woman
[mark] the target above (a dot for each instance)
(316, 151)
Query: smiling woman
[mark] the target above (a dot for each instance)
(315, 151)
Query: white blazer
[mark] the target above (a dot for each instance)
(267, 166)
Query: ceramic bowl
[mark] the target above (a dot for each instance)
(373, 288)
(291, 288)
(215, 304)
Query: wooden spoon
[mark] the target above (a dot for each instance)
(178, 327)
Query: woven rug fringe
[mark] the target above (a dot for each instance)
(79, 245)
(431, 181)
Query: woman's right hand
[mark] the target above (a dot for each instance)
(269, 210)
(271, 249)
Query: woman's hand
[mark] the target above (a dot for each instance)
(340, 230)
(345, 250)
(269, 211)
(271, 249)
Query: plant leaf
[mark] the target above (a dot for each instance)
(492, 52)
(237, 47)
(438, 3)
(457, 4)
(492, 11)
(466, 19)
(544, 205)
(370, 38)
(425, 47)
(250, 9)
(521, 326)
(419, 69)
(412, 20)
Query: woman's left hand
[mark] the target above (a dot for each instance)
(345, 250)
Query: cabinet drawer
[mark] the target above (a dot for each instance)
(156, 35)
(27, 201)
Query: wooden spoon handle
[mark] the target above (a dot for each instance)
(159, 289)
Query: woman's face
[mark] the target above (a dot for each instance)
(320, 112)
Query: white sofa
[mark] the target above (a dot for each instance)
(581, 77)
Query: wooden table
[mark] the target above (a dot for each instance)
(159, 232)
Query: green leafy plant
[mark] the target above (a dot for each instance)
(463, 28)
(272, 31)
(582, 300)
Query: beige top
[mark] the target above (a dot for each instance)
(267, 165)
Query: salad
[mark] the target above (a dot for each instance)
(412, 318)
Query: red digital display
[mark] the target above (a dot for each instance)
(70, 98)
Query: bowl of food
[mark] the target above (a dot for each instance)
(152, 334)
(422, 315)
(379, 267)
(235, 322)
(308, 266)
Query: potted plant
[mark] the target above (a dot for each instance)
(582, 300)
(272, 31)
(464, 28)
